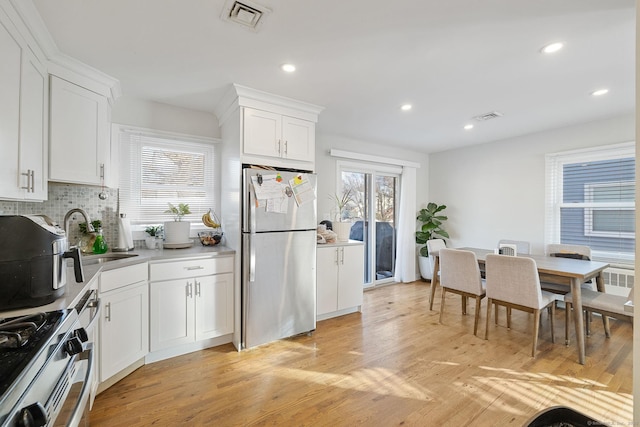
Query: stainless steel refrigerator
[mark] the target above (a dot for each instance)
(278, 255)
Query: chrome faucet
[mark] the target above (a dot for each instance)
(84, 213)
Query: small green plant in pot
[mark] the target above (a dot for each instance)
(431, 228)
(154, 236)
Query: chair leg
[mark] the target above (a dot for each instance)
(536, 329)
(586, 324)
(477, 315)
(508, 317)
(464, 305)
(486, 331)
(607, 331)
(432, 293)
(444, 291)
(567, 322)
(553, 323)
(496, 308)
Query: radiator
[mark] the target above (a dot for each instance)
(618, 281)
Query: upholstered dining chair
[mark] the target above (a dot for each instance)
(598, 302)
(514, 283)
(460, 274)
(434, 245)
(566, 251)
(523, 248)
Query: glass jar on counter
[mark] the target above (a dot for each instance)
(100, 245)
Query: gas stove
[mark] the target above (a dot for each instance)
(38, 356)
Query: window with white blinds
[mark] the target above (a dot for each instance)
(157, 168)
(591, 201)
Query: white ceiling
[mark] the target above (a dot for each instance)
(362, 59)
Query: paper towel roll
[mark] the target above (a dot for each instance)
(125, 239)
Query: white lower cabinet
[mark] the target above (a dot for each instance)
(340, 277)
(191, 301)
(124, 322)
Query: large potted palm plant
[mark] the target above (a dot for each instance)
(431, 228)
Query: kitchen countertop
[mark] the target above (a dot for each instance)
(74, 291)
(347, 243)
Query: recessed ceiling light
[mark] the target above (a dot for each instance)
(468, 127)
(289, 68)
(406, 107)
(553, 47)
(600, 92)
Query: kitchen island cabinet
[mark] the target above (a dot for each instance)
(191, 303)
(340, 277)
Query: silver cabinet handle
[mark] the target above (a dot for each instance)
(107, 312)
(30, 174)
(198, 289)
(337, 262)
(286, 148)
(342, 256)
(279, 147)
(195, 267)
(101, 170)
(189, 289)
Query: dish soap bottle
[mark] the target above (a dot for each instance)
(100, 245)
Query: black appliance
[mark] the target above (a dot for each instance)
(33, 250)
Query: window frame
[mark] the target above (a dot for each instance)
(554, 196)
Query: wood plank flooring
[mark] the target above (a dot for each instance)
(393, 364)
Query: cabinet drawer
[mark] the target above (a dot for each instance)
(114, 279)
(190, 268)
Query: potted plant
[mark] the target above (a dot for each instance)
(154, 233)
(342, 228)
(88, 237)
(176, 232)
(431, 228)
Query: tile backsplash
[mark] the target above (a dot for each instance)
(64, 197)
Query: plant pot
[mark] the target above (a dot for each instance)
(426, 267)
(342, 230)
(150, 241)
(177, 232)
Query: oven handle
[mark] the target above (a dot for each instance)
(93, 304)
(83, 399)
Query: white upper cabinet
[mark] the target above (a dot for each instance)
(270, 130)
(276, 135)
(79, 134)
(23, 121)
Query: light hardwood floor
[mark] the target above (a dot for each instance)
(393, 364)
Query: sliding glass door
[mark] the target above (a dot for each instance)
(372, 211)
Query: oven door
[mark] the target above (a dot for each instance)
(74, 410)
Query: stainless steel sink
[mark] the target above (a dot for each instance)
(104, 258)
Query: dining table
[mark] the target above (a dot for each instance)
(551, 269)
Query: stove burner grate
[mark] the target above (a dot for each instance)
(16, 332)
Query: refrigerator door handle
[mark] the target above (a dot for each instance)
(252, 261)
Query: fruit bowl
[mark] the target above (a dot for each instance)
(210, 238)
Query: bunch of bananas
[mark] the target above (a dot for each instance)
(209, 219)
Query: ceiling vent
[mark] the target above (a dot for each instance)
(488, 116)
(246, 13)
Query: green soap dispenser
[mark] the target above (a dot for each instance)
(100, 245)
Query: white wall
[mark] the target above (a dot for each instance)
(496, 191)
(326, 166)
(153, 115)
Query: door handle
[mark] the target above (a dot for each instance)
(337, 262)
(198, 289)
(342, 256)
(107, 312)
(189, 289)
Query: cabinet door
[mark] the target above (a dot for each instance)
(262, 133)
(299, 139)
(350, 276)
(214, 306)
(124, 328)
(327, 280)
(171, 313)
(78, 133)
(10, 64)
(33, 129)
